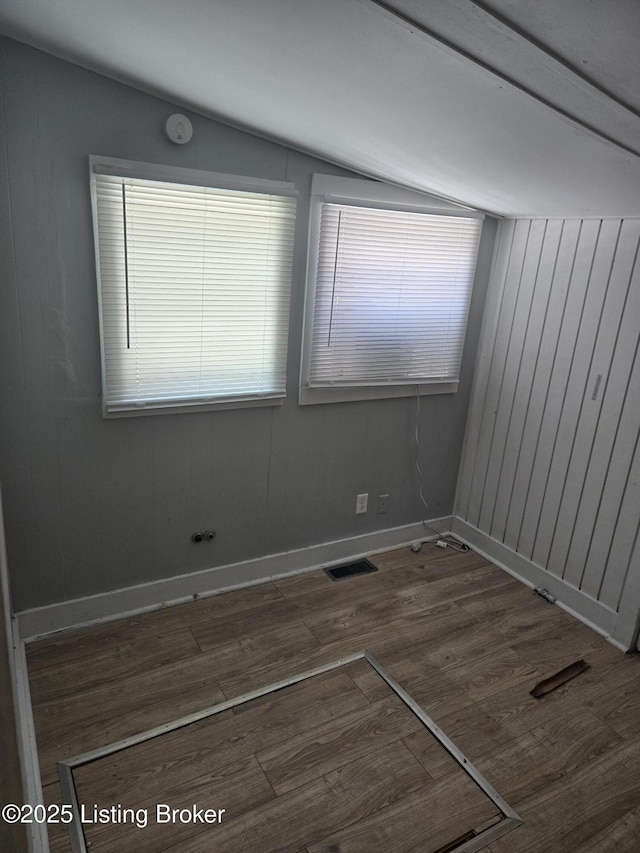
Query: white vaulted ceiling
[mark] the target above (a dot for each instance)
(507, 105)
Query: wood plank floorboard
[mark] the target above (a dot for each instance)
(502, 717)
(319, 750)
(427, 750)
(622, 834)
(308, 814)
(82, 644)
(397, 604)
(237, 788)
(235, 626)
(495, 671)
(516, 613)
(212, 743)
(566, 814)
(558, 647)
(429, 686)
(545, 754)
(337, 762)
(438, 563)
(621, 710)
(112, 712)
(105, 663)
(426, 820)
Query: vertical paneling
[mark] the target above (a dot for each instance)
(513, 361)
(586, 469)
(540, 443)
(571, 405)
(614, 439)
(492, 314)
(550, 468)
(546, 362)
(529, 351)
(623, 593)
(490, 394)
(616, 528)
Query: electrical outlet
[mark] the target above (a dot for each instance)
(361, 503)
(383, 504)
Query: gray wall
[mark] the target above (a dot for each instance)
(551, 468)
(92, 504)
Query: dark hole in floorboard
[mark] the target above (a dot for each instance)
(456, 842)
(360, 567)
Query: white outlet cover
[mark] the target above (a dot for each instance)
(361, 503)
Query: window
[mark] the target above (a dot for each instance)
(194, 278)
(388, 289)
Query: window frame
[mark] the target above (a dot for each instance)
(363, 193)
(194, 177)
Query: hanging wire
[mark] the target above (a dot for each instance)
(126, 261)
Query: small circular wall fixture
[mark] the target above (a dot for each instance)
(178, 129)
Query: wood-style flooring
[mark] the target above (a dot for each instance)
(337, 764)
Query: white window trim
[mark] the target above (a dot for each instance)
(182, 175)
(195, 177)
(329, 188)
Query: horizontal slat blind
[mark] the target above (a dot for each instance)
(392, 296)
(195, 285)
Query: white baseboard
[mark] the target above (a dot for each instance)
(623, 647)
(37, 836)
(36, 833)
(594, 614)
(78, 612)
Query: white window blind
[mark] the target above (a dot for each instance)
(194, 288)
(392, 291)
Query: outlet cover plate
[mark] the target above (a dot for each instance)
(361, 503)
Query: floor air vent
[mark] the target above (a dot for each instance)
(361, 567)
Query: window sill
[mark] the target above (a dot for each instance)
(179, 408)
(341, 394)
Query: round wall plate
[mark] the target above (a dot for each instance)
(179, 129)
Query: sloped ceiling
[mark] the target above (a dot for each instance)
(514, 107)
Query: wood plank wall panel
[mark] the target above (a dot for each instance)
(492, 313)
(625, 547)
(523, 530)
(550, 466)
(525, 369)
(497, 360)
(595, 429)
(509, 380)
